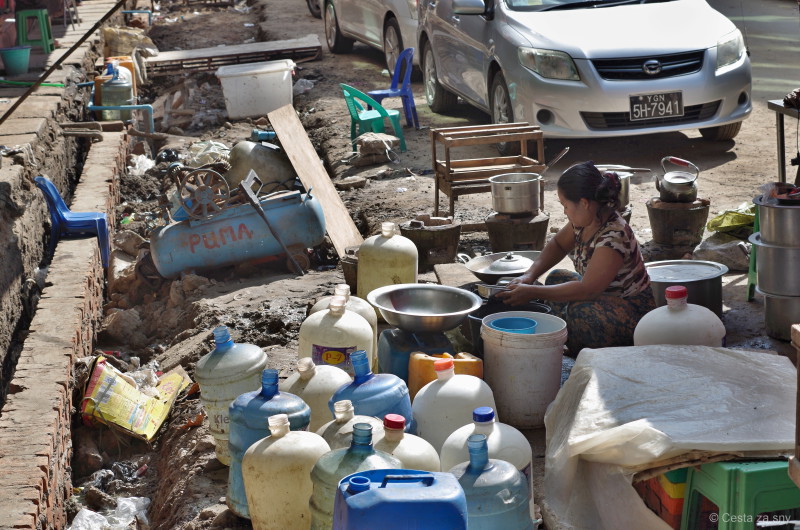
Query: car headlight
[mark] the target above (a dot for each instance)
(730, 49)
(551, 64)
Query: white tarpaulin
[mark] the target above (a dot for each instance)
(627, 410)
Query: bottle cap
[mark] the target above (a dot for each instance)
(676, 291)
(337, 304)
(387, 229)
(358, 484)
(443, 364)
(394, 421)
(483, 414)
(342, 289)
(343, 405)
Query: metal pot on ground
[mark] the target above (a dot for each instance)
(677, 186)
(702, 279)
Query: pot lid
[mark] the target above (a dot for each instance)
(510, 263)
(686, 270)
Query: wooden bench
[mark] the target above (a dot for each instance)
(462, 177)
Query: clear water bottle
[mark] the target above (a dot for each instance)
(445, 404)
(334, 466)
(315, 385)
(375, 394)
(277, 476)
(249, 414)
(496, 491)
(412, 451)
(224, 374)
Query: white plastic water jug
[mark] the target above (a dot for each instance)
(329, 337)
(223, 375)
(679, 322)
(504, 443)
(315, 385)
(445, 404)
(385, 259)
(412, 451)
(356, 305)
(339, 431)
(277, 476)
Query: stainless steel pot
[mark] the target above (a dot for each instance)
(490, 268)
(624, 180)
(517, 192)
(702, 279)
(777, 267)
(778, 222)
(780, 313)
(677, 186)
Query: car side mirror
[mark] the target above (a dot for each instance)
(469, 7)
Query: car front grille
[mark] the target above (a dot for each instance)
(633, 67)
(621, 120)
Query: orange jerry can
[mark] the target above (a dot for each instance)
(421, 372)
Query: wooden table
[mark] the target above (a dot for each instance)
(462, 177)
(776, 105)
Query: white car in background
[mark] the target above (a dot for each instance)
(588, 68)
(389, 25)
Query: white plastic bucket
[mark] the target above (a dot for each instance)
(254, 89)
(524, 371)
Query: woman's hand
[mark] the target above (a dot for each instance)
(525, 279)
(518, 293)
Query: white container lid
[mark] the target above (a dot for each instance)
(267, 67)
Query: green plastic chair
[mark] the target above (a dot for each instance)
(368, 119)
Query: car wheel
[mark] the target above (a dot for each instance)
(438, 99)
(392, 44)
(314, 8)
(336, 43)
(503, 112)
(722, 133)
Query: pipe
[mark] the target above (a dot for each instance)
(148, 110)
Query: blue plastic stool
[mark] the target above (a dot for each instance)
(401, 90)
(73, 224)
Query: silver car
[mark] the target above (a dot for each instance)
(588, 68)
(389, 25)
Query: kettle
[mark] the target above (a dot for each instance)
(677, 186)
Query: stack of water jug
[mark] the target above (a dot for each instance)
(347, 449)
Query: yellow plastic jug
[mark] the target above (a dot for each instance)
(421, 371)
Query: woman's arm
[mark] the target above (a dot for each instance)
(601, 271)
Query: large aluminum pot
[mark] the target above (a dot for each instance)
(777, 267)
(780, 313)
(778, 222)
(624, 180)
(517, 192)
(702, 279)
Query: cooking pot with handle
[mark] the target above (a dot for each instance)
(677, 186)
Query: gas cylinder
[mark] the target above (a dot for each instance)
(444, 405)
(315, 385)
(375, 394)
(225, 373)
(497, 492)
(276, 472)
(412, 451)
(334, 466)
(238, 234)
(117, 91)
(339, 431)
(385, 259)
(331, 337)
(504, 442)
(421, 370)
(679, 322)
(272, 167)
(249, 413)
(356, 305)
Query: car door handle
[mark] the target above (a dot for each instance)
(455, 18)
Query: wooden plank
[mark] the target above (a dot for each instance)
(294, 140)
(454, 274)
(217, 51)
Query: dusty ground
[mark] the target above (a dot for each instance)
(169, 322)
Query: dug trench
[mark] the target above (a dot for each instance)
(160, 324)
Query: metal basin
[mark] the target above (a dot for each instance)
(419, 307)
(776, 267)
(484, 266)
(778, 222)
(702, 279)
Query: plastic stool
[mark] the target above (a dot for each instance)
(46, 41)
(73, 224)
(741, 491)
(752, 275)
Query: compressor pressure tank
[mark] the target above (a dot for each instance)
(238, 234)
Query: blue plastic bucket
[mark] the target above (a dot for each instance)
(16, 59)
(522, 325)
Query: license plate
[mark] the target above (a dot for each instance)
(651, 106)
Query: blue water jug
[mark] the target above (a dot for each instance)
(496, 491)
(372, 499)
(249, 415)
(375, 394)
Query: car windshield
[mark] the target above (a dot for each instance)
(552, 5)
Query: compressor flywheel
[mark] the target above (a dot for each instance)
(204, 193)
